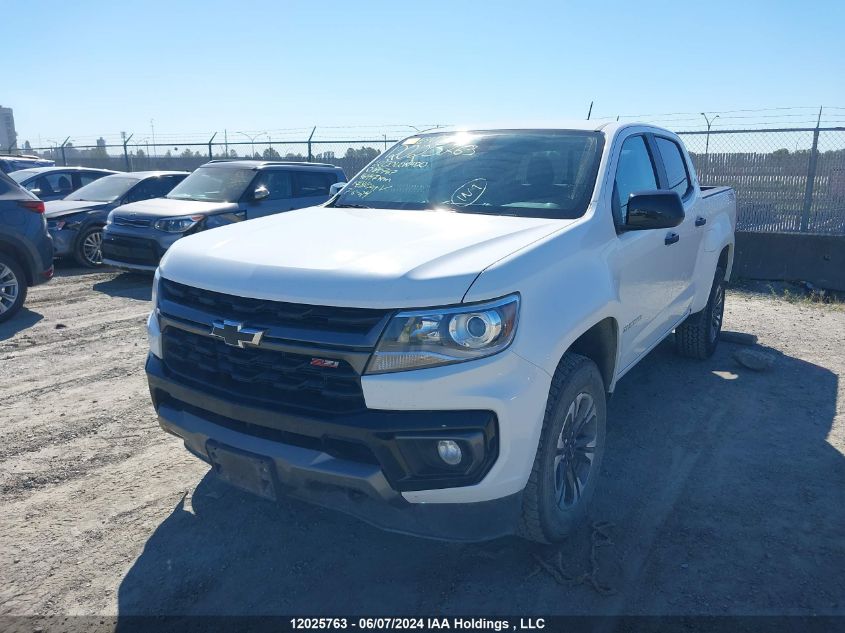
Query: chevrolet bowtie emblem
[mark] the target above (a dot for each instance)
(235, 334)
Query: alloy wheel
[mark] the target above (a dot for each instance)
(717, 312)
(92, 248)
(576, 447)
(9, 288)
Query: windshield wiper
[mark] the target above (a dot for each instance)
(351, 206)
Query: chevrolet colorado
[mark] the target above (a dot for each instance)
(431, 349)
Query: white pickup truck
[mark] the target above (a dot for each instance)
(431, 350)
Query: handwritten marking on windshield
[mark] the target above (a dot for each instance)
(469, 192)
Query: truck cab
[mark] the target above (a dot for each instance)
(431, 349)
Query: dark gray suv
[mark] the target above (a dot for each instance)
(218, 193)
(26, 250)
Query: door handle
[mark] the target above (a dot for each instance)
(699, 221)
(671, 238)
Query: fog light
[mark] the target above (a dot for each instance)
(449, 452)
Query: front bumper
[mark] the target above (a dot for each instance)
(63, 241)
(136, 249)
(358, 465)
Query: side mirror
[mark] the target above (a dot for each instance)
(336, 187)
(260, 193)
(654, 210)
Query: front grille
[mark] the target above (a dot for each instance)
(124, 220)
(132, 250)
(274, 313)
(261, 377)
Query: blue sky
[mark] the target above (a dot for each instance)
(93, 68)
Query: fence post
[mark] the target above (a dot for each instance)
(310, 155)
(126, 153)
(811, 179)
(210, 157)
(64, 159)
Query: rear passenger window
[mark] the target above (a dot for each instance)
(312, 183)
(676, 169)
(635, 172)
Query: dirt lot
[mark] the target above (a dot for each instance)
(723, 490)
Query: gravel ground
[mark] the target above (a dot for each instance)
(723, 490)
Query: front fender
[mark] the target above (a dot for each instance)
(566, 289)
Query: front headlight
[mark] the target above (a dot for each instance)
(178, 225)
(153, 329)
(56, 225)
(428, 338)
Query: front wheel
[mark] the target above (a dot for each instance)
(12, 287)
(698, 336)
(89, 247)
(568, 459)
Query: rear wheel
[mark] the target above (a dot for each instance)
(89, 247)
(12, 287)
(698, 336)
(566, 467)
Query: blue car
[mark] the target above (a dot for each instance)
(26, 251)
(76, 222)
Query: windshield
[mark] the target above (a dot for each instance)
(535, 173)
(213, 184)
(105, 189)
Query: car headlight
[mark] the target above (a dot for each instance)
(153, 329)
(442, 336)
(178, 225)
(56, 225)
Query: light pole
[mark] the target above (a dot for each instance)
(707, 142)
(153, 134)
(252, 139)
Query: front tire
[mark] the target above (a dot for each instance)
(698, 336)
(568, 460)
(89, 247)
(12, 287)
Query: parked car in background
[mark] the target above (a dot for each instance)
(10, 163)
(432, 349)
(216, 194)
(26, 250)
(54, 183)
(76, 223)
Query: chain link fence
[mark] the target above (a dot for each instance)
(786, 180)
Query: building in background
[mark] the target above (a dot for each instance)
(8, 136)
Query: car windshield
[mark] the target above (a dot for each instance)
(213, 184)
(105, 189)
(532, 173)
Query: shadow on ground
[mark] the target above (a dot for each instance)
(722, 493)
(127, 285)
(24, 319)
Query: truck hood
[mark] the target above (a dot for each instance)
(379, 258)
(60, 208)
(168, 207)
